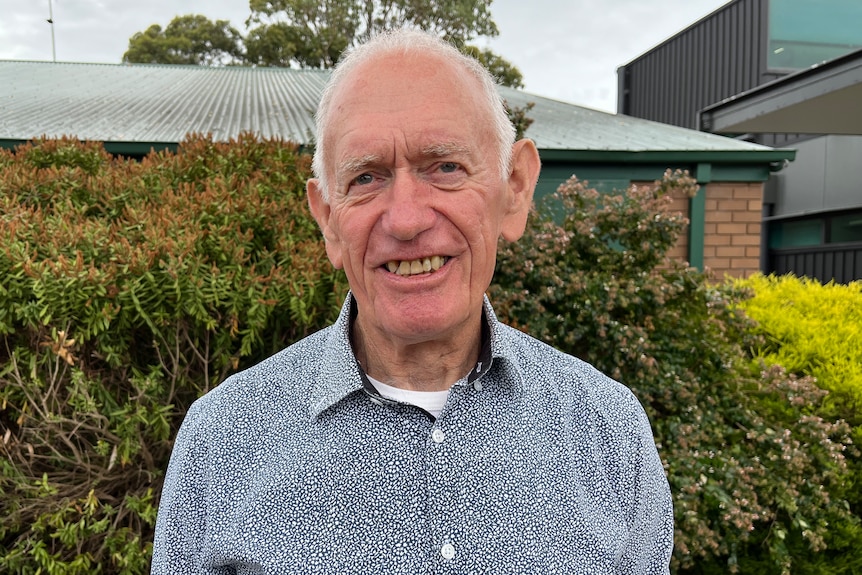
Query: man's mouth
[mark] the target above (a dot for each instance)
(416, 267)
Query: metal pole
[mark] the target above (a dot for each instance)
(51, 22)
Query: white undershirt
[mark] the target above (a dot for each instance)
(430, 401)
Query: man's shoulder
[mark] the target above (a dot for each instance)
(545, 369)
(534, 355)
(280, 378)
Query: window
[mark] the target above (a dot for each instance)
(795, 234)
(847, 228)
(837, 229)
(806, 32)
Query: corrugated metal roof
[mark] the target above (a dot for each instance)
(561, 126)
(152, 103)
(159, 103)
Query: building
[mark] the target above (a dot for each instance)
(135, 108)
(782, 73)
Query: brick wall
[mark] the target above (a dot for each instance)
(732, 228)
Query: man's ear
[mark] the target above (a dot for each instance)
(322, 212)
(521, 186)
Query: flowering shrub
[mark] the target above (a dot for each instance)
(129, 289)
(757, 476)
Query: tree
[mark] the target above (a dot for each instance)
(191, 39)
(276, 45)
(519, 118)
(349, 21)
(504, 72)
(314, 34)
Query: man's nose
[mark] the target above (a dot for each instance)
(408, 212)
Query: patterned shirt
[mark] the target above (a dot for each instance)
(538, 463)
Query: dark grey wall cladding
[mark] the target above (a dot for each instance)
(719, 56)
(826, 263)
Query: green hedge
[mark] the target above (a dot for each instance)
(129, 289)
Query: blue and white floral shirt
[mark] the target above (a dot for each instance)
(538, 463)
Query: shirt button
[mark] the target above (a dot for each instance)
(477, 385)
(447, 551)
(437, 435)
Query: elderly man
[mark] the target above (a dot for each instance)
(417, 434)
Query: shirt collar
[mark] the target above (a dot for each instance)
(341, 374)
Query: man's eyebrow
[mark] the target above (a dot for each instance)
(443, 149)
(354, 164)
(358, 163)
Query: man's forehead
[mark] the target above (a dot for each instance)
(369, 83)
(401, 64)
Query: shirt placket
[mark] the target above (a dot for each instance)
(447, 549)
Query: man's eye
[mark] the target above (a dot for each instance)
(363, 179)
(448, 167)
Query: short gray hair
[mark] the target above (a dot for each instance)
(410, 41)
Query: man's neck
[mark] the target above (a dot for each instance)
(426, 366)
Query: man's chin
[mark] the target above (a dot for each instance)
(417, 322)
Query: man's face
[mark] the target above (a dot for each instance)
(417, 201)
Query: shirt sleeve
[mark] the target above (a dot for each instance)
(182, 517)
(650, 542)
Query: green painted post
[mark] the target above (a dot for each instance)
(697, 217)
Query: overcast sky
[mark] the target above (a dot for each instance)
(568, 50)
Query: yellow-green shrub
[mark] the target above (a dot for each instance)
(815, 330)
(812, 329)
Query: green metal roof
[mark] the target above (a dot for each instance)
(561, 126)
(147, 104)
(134, 107)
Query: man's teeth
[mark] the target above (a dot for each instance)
(422, 266)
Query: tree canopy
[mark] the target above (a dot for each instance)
(314, 34)
(191, 39)
(503, 71)
(327, 27)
